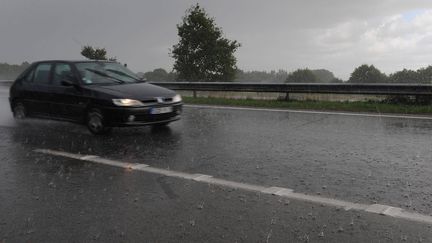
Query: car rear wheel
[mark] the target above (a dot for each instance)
(96, 123)
(19, 111)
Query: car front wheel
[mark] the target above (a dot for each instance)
(96, 123)
(19, 111)
(158, 125)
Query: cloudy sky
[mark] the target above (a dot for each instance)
(337, 35)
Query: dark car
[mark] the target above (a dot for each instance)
(100, 94)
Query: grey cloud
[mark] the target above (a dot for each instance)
(275, 34)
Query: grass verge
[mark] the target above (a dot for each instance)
(358, 106)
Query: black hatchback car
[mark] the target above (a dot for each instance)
(100, 94)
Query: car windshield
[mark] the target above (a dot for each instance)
(105, 73)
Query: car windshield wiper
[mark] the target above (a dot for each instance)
(105, 75)
(123, 74)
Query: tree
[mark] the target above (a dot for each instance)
(367, 74)
(405, 76)
(425, 75)
(202, 54)
(159, 74)
(323, 75)
(280, 76)
(96, 53)
(336, 80)
(301, 76)
(261, 76)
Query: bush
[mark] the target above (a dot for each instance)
(409, 99)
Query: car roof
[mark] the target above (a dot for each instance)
(74, 61)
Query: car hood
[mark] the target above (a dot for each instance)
(138, 91)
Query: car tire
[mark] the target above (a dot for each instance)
(96, 124)
(159, 125)
(19, 111)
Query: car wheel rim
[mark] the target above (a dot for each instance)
(95, 123)
(19, 112)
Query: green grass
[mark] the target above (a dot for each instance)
(316, 105)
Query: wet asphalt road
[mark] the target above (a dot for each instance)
(359, 159)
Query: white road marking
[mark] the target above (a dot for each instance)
(392, 211)
(201, 177)
(87, 157)
(274, 190)
(380, 209)
(139, 166)
(311, 112)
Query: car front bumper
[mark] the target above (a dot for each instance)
(140, 116)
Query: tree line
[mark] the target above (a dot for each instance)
(11, 71)
(280, 76)
(362, 74)
(370, 74)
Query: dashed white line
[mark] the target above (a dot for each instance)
(274, 190)
(377, 208)
(311, 112)
(380, 209)
(392, 211)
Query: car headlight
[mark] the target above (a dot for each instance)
(177, 98)
(127, 102)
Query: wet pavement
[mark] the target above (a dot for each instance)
(358, 159)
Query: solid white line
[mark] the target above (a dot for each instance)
(276, 191)
(139, 166)
(87, 157)
(311, 112)
(201, 177)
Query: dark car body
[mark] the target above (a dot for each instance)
(46, 92)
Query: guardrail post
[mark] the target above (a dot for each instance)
(287, 96)
(194, 94)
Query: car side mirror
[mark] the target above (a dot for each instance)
(68, 83)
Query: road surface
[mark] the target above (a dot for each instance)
(53, 187)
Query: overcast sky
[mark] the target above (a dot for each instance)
(337, 35)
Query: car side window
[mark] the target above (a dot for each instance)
(42, 73)
(28, 77)
(62, 71)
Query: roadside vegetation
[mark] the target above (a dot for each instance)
(11, 71)
(358, 106)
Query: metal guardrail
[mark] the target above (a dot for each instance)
(365, 89)
(6, 82)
